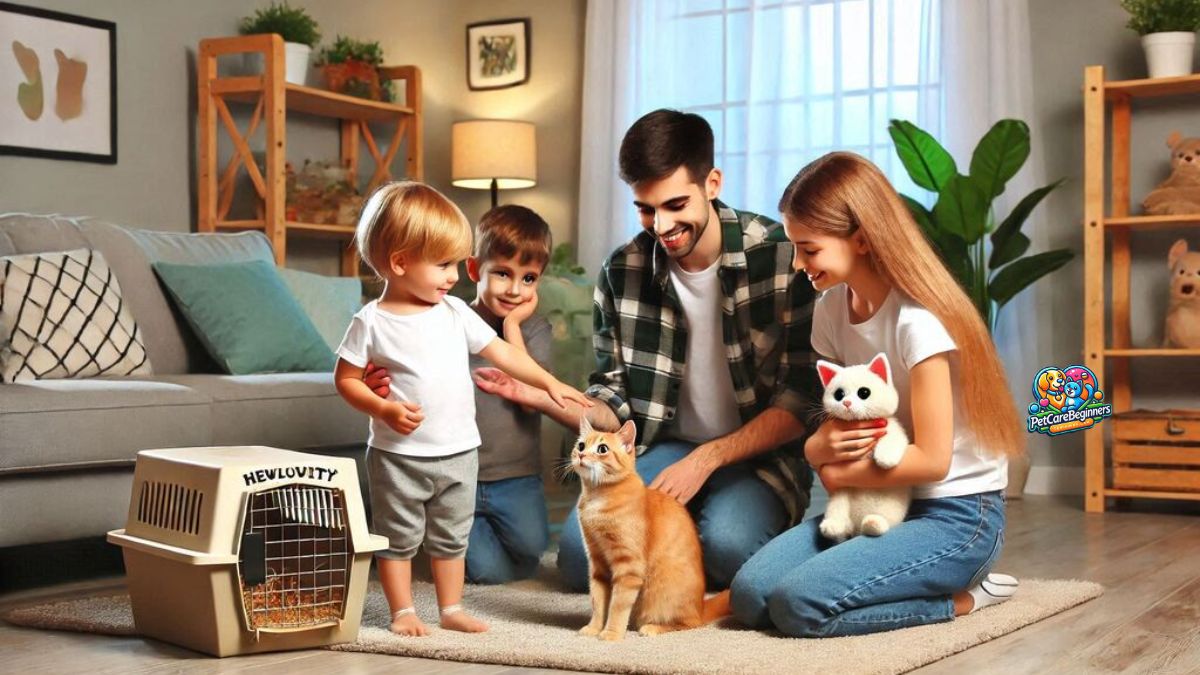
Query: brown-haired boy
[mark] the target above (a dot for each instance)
(512, 247)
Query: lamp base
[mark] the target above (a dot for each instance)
(495, 192)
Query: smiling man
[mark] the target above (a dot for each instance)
(702, 339)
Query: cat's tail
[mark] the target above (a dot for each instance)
(716, 607)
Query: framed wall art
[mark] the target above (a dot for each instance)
(497, 54)
(58, 85)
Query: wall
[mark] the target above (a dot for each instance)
(1068, 35)
(153, 183)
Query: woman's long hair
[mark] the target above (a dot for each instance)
(843, 193)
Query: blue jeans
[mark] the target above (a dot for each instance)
(510, 532)
(804, 586)
(735, 512)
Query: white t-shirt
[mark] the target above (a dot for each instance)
(908, 334)
(707, 408)
(426, 356)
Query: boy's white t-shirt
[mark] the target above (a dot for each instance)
(426, 356)
(908, 334)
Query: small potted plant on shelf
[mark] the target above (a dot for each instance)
(351, 66)
(1168, 29)
(299, 32)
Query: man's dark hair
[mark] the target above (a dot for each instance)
(664, 140)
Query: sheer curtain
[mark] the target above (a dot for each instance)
(780, 81)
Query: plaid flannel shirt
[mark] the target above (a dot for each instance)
(641, 340)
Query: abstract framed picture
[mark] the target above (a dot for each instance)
(497, 54)
(58, 85)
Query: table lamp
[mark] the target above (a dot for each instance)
(493, 154)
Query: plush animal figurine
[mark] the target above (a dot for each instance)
(643, 550)
(1183, 313)
(865, 393)
(1179, 194)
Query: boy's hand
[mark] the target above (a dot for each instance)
(843, 441)
(560, 393)
(376, 378)
(402, 416)
(523, 311)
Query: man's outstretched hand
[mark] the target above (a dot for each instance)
(498, 383)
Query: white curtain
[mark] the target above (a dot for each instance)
(780, 81)
(988, 75)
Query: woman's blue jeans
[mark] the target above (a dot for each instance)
(735, 512)
(805, 586)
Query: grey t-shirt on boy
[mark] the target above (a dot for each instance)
(510, 436)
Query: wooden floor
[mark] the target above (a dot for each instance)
(1148, 621)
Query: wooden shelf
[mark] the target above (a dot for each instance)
(311, 100)
(1152, 352)
(1148, 88)
(1153, 222)
(1151, 494)
(319, 229)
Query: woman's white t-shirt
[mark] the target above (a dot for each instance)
(908, 334)
(427, 358)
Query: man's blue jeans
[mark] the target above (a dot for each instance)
(805, 586)
(735, 512)
(510, 532)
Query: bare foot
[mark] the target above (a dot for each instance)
(461, 621)
(410, 625)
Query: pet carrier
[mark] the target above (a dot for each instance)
(237, 550)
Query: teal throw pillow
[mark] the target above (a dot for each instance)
(246, 318)
(330, 302)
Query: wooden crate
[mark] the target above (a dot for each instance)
(1156, 450)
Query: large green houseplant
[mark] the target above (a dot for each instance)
(985, 254)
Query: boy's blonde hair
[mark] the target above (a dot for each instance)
(512, 231)
(843, 193)
(410, 218)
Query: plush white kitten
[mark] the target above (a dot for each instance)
(865, 393)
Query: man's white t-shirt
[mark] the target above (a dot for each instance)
(707, 408)
(908, 334)
(426, 356)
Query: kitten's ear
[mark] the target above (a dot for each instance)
(585, 426)
(628, 436)
(881, 367)
(827, 371)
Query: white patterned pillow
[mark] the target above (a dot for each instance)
(61, 315)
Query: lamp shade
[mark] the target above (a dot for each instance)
(486, 150)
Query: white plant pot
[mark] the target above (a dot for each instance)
(1169, 54)
(295, 56)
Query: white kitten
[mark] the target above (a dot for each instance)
(864, 393)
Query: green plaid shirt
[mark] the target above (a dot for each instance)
(641, 340)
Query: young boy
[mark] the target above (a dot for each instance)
(512, 247)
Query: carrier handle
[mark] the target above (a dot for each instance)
(336, 623)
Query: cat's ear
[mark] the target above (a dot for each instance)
(628, 436)
(827, 371)
(880, 366)
(585, 426)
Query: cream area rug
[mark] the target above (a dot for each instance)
(533, 623)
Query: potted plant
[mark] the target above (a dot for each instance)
(1168, 29)
(351, 66)
(299, 32)
(986, 256)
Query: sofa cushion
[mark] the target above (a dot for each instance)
(246, 317)
(53, 424)
(330, 302)
(170, 344)
(62, 315)
(282, 410)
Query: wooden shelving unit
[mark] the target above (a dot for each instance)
(273, 98)
(1152, 454)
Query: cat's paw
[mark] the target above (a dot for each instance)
(612, 635)
(590, 630)
(837, 529)
(889, 451)
(875, 525)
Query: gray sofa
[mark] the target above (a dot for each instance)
(67, 446)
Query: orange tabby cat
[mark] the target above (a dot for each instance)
(643, 549)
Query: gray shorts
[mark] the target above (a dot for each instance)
(422, 499)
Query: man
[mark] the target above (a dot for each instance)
(702, 338)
